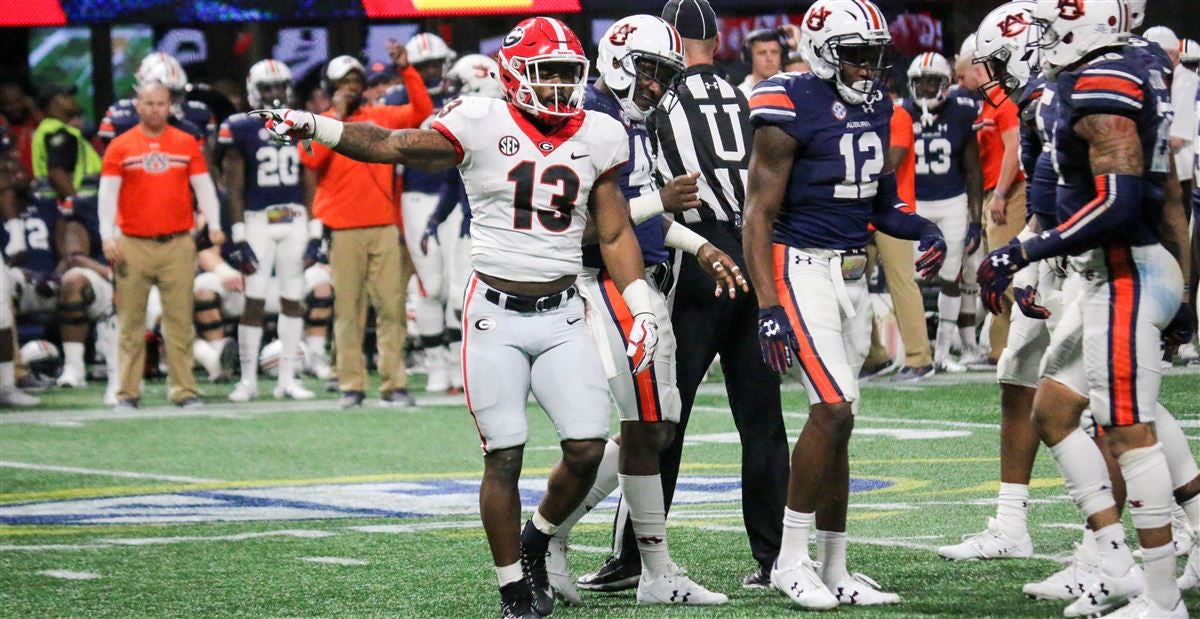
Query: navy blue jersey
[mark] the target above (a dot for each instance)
(840, 154)
(39, 216)
(637, 177)
(1037, 108)
(939, 140)
(122, 116)
(1130, 81)
(416, 180)
(273, 173)
(1028, 106)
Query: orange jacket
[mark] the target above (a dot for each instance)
(353, 194)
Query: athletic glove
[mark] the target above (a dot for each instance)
(996, 272)
(974, 238)
(776, 338)
(1182, 327)
(643, 338)
(243, 258)
(1026, 297)
(288, 125)
(313, 253)
(933, 252)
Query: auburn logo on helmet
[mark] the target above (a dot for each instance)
(620, 35)
(816, 18)
(1070, 9)
(1014, 24)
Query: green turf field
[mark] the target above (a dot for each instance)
(298, 509)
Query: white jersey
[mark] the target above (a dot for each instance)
(528, 191)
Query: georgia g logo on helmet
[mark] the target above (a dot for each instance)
(1070, 9)
(514, 37)
(1014, 24)
(816, 17)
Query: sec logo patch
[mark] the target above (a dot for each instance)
(509, 145)
(839, 110)
(485, 324)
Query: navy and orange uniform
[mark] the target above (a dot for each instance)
(272, 170)
(637, 177)
(39, 217)
(1037, 108)
(196, 119)
(940, 138)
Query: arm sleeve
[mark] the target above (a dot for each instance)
(206, 199)
(891, 215)
(1107, 88)
(1116, 205)
(410, 115)
(62, 150)
(448, 198)
(109, 192)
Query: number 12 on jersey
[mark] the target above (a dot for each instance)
(860, 176)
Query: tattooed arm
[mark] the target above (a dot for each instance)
(424, 149)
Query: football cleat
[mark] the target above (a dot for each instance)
(614, 575)
(516, 601)
(991, 543)
(559, 572)
(71, 379)
(909, 374)
(243, 392)
(534, 548)
(758, 579)
(950, 366)
(860, 590)
(351, 399)
(17, 398)
(1107, 593)
(1066, 584)
(397, 398)
(295, 391)
(1191, 573)
(1142, 607)
(801, 583)
(675, 588)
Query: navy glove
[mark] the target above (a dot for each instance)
(974, 238)
(776, 338)
(1027, 302)
(996, 272)
(933, 252)
(1182, 327)
(431, 230)
(313, 253)
(243, 258)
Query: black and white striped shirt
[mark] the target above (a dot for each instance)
(703, 125)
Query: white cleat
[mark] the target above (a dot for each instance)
(560, 573)
(1191, 573)
(1107, 593)
(294, 391)
(16, 398)
(71, 379)
(675, 588)
(991, 543)
(950, 366)
(110, 396)
(1066, 584)
(801, 583)
(1142, 607)
(1182, 534)
(243, 392)
(860, 590)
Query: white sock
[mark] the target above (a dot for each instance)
(1180, 460)
(1159, 564)
(249, 339)
(290, 328)
(541, 524)
(1012, 509)
(794, 546)
(1083, 469)
(1148, 484)
(1115, 557)
(644, 495)
(508, 574)
(107, 342)
(206, 356)
(1088, 551)
(948, 308)
(8, 375)
(315, 345)
(73, 357)
(831, 552)
(606, 482)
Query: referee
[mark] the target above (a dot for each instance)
(687, 139)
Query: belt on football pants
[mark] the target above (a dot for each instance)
(526, 304)
(845, 265)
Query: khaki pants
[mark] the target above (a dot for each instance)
(366, 264)
(897, 258)
(998, 235)
(170, 265)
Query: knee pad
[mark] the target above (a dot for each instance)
(313, 302)
(204, 305)
(209, 282)
(1084, 472)
(73, 312)
(1148, 484)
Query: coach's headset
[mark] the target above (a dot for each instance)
(778, 35)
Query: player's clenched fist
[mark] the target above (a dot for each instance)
(288, 124)
(643, 338)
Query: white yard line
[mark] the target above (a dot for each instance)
(69, 575)
(106, 473)
(335, 561)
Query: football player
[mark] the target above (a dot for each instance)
(818, 178)
(269, 230)
(193, 117)
(1113, 165)
(949, 182)
(15, 250)
(522, 320)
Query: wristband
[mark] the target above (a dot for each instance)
(315, 228)
(238, 232)
(637, 297)
(326, 130)
(679, 237)
(645, 206)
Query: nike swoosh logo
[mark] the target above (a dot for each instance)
(571, 322)
(578, 155)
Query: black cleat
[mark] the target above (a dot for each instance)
(758, 579)
(534, 547)
(516, 601)
(614, 575)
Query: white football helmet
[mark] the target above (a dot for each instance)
(1006, 45)
(268, 358)
(1189, 51)
(267, 74)
(165, 69)
(475, 75)
(1137, 13)
(427, 46)
(967, 49)
(638, 45)
(930, 64)
(851, 32)
(1069, 31)
(41, 356)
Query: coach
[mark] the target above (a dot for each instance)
(357, 202)
(147, 180)
(702, 125)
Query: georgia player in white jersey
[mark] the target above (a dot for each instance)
(530, 164)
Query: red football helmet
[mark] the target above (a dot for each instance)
(534, 53)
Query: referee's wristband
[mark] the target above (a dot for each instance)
(645, 206)
(326, 130)
(679, 237)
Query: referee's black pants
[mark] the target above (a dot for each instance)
(705, 326)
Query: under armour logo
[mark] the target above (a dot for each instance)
(675, 596)
(770, 328)
(847, 599)
(796, 588)
(1000, 260)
